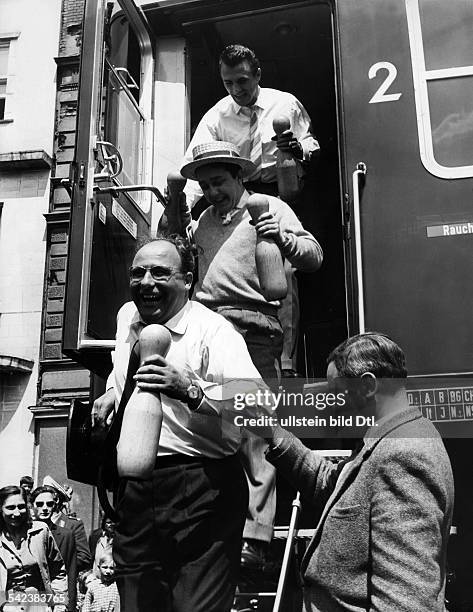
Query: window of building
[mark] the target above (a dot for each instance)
(4, 52)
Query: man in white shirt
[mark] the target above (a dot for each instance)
(230, 120)
(178, 540)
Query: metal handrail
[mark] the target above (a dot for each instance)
(123, 189)
(357, 176)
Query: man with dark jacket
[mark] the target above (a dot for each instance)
(44, 501)
(59, 518)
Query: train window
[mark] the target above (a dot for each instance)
(439, 19)
(442, 71)
(115, 114)
(127, 101)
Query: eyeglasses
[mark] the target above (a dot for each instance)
(160, 275)
(40, 504)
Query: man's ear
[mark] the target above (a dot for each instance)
(188, 278)
(258, 74)
(369, 384)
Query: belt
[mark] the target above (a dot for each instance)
(266, 309)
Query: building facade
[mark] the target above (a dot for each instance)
(29, 42)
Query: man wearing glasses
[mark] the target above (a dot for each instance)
(45, 501)
(178, 539)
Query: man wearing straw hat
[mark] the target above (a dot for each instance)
(228, 284)
(227, 276)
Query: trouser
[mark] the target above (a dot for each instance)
(263, 337)
(178, 540)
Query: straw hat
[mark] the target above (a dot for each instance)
(217, 152)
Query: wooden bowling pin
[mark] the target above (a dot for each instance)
(177, 211)
(269, 261)
(139, 437)
(286, 166)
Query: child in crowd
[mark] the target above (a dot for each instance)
(102, 593)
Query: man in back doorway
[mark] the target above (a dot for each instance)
(245, 118)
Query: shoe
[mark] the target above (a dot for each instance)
(253, 554)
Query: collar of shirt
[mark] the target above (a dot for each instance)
(176, 324)
(260, 103)
(228, 216)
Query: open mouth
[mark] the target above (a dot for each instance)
(150, 298)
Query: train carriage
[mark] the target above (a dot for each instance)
(389, 87)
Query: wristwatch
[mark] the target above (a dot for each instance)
(194, 395)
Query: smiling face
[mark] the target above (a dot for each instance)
(219, 187)
(159, 300)
(14, 512)
(241, 82)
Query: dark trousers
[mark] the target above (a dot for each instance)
(178, 541)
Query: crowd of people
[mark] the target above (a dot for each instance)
(46, 560)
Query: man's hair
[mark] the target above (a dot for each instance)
(233, 55)
(27, 480)
(186, 250)
(45, 489)
(233, 169)
(5, 493)
(370, 352)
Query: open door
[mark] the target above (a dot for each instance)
(112, 196)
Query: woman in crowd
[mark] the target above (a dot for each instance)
(32, 571)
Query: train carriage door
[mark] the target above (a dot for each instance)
(112, 200)
(406, 108)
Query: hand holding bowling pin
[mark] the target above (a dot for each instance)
(286, 166)
(269, 261)
(177, 212)
(139, 436)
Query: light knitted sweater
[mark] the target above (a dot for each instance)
(227, 267)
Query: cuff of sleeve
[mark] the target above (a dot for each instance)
(205, 405)
(308, 150)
